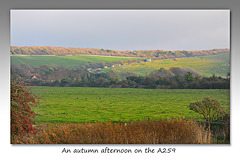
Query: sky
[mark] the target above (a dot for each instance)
(122, 29)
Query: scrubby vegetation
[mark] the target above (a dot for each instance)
(174, 131)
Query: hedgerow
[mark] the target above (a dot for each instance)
(174, 131)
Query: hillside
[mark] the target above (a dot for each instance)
(153, 54)
(123, 72)
(67, 61)
(205, 65)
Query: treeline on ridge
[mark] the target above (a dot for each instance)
(174, 78)
(154, 54)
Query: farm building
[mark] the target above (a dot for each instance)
(147, 60)
(36, 76)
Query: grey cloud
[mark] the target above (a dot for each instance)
(122, 30)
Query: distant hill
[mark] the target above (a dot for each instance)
(205, 65)
(68, 61)
(153, 54)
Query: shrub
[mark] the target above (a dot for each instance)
(21, 114)
(174, 131)
(210, 108)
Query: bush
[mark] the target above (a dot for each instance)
(21, 114)
(174, 131)
(210, 108)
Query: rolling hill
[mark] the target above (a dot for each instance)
(68, 61)
(205, 65)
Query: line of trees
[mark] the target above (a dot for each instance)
(154, 54)
(174, 78)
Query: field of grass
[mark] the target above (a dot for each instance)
(59, 104)
(68, 61)
(207, 65)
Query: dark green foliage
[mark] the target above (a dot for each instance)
(162, 73)
(189, 77)
(210, 108)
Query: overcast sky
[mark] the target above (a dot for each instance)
(122, 29)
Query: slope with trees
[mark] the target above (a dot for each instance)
(154, 54)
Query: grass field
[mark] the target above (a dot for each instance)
(59, 104)
(207, 65)
(68, 61)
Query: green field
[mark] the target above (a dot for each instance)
(59, 104)
(207, 65)
(68, 61)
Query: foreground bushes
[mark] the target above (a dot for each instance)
(159, 131)
(22, 100)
